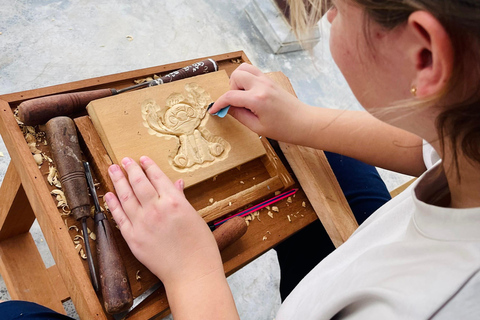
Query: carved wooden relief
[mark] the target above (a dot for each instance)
(182, 117)
(170, 124)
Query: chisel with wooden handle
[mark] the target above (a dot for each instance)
(225, 235)
(116, 291)
(63, 141)
(40, 110)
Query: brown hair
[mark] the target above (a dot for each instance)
(459, 123)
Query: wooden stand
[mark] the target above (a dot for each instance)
(26, 197)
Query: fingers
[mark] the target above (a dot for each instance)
(242, 80)
(247, 118)
(250, 68)
(121, 218)
(142, 187)
(159, 180)
(180, 185)
(234, 98)
(125, 193)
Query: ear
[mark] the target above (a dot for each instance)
(433, 54)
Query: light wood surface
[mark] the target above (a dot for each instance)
(124, 133)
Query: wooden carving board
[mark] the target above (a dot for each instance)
(169, 123)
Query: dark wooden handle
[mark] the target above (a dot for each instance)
(116, 292)
(229, 232)
(192, 70)
(63, 141)
(40, 110)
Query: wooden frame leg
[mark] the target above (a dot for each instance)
(21, 265)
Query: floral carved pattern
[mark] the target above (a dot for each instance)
(182, 117)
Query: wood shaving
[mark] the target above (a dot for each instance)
(77, 237)
(241, 182)
(74, 227)
(277, 193)
(129, 38)
(304, 204)
(106, 206)
(60, 197)
(215, 177)
(1, 154)
(66, 211)
(33, 148)
(38, 158)
(289, 219)
(147, 79)
(78, 247)
(270, 214)
(289, 199)
(275, 209)
(229, 203)
(82, 254)
(93, 236)
(137, 275)
(264, 238)
(210, 200)
(52, 177)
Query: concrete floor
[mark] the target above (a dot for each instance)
(48, 42)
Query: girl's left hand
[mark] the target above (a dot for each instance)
(162, 229)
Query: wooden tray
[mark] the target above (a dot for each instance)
(25, 191)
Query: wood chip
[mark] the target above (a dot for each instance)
(129, 38)
(210, 200)
(289, 199)
(82, 254)
(275, 209)
(289, 219)
(137, 275)
(264, 238)
(270, 214)
(38, 158)
(304, 204)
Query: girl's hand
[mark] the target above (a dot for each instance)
(160, 226)
(262, 105)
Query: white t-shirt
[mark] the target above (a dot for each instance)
(409, 260)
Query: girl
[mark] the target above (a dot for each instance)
(413, 65)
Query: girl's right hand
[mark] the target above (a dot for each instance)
(262, 105)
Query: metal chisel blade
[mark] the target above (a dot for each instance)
(137, 301)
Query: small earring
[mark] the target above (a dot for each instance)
(413, 91)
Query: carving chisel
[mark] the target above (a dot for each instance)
(116, 292)
(63, 141)
(40, 110)
(225, 235)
